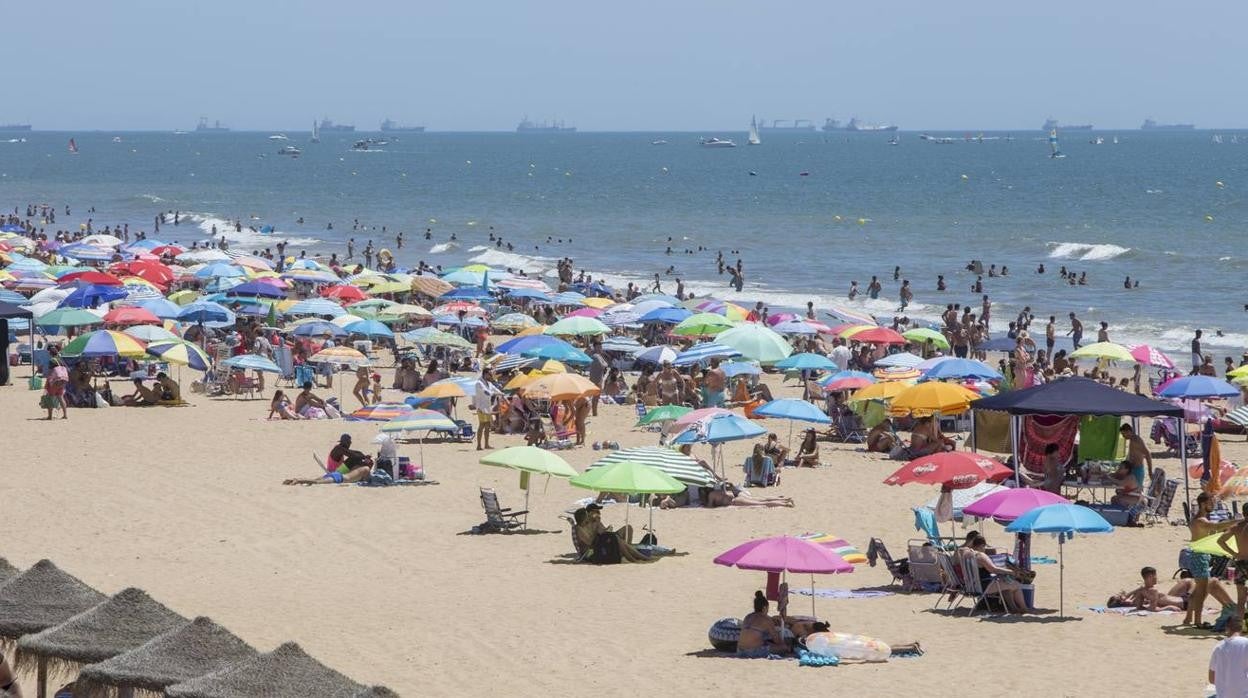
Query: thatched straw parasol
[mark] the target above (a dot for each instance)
(41, 597)
(119, 624)
(286, 672)
(7, 571)
(186, 652)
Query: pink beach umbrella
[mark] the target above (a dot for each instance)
(1009, 504)
(1151, 356)
(699, 415)
(785, 554)
(777, 318)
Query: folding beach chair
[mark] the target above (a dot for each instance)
(877, 550)
(952, 589)
(974, 589)
(285, 361)
(924, 567)
(1160, 509)
(497, 519)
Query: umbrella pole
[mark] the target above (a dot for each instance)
(780, 465)
(1015, 420)
(1187, 489)
(41, 673)
(812, 597)
(1061, 575)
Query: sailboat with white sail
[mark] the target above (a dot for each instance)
(316, 132)
(1054, 152)
(753, 138)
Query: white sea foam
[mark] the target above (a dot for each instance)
(443, 247)
(247, 238)
(511, 260)
(151, 197)
(1086, 251)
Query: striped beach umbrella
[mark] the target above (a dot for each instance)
(514, 321)
(756, 342)
(840, 546)
(508, 362)
(703, 353)
(382, 412)
(178, 351)
(420, 420)
(316, 306)
(674, 463)
(340, 355)
(251, 362)
(105, 343)
(150, 333)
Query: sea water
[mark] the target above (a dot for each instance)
(806, 213)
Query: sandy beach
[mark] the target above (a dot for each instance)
(386, 586)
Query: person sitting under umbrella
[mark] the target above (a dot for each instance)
(774, 450)
(882, 438)
(588, 526)
(344, 465)
(1054, 473)
(760, 469)
(142, 396)
(170, 391)
(997, 580)
(760, 633)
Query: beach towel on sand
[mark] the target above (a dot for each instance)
(843, 593)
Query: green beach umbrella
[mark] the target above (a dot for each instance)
(579, 325)
(922, 335)
(530, 460)
(1209, 545)
(629, 477)
(68, 317)
(1103, 350)
(703, 324)
(757, 342)
(666, 413)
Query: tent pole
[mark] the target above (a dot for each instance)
(1187, 489)
(974, 445)
(1015, 420)
(41, 674)
(32, 346)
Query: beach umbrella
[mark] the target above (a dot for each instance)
(286, 671)
(1103, 350)
(703, 353)
(102, 239)
(619, 343)
(195, 648)
(443, 389)
(903, 359)
(340, 355)
(950, 469)
(656, 355)
(180, 352)
(92, 295)
(756, 342)
(628, 477)
(664, 314)
(701, 414)
(569, 298)
(465, 293)
(420, 420)
(1198, 387)
(150, 333)
(257, 289)
(664, 413)
(885, 390)
(561, 386)
(514, 321)
(960, 369)
(131, 315)
(344, 292)
(466, 321)
(430, 286)
(508, 362)
(796, 327)
(381, 412)
(1007, 504)
(117, 625)
(90, 276)
(456, 307)
(316, 306)
(518, 345)
(786, 554)
(874, 335)
(840, 375)
(1151, 356)
(529, 461)
(205, 312)
(719, 429)
(806, 361)
(104, 343)
(369, 328)
(851, 383)
(964, 497)
(319, 328)
(897, 373)
(1065, 520)
(923, 335)
(251, 362)
(42, 597)
(840, 546)
(534, 294)
(434, 337)
(676, 464)
(559, 352)
(702, 324)
(578, 326)
(68, 317)
(82, 251)
(932, 398)
(733, 369)
(793, 411)
(220, 270)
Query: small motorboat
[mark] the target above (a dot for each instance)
(717, 143)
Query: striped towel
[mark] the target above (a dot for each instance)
(1239, 416)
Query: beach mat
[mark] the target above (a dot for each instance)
(843, 593)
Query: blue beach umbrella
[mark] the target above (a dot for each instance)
(1065, 520)
(257, 289)
(666, 316)
(319, 329)
(521, 344)
(219, 270)
(719, 429)
(1196, 387)
(560, 352)
(205, 312)
(733, 369)
(316, 306)
(466, 293)
(91, 295)
(702, 353)
(162, 308)
(806, 361)
(251, 362)
(956, 368)
(797, 410)
(369, 328)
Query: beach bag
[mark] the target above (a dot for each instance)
(45, 402)
(606, 550)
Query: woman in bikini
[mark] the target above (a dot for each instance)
(808, 452)
(760, 635)
(280, 406)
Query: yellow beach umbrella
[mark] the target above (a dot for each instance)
(553, 366)
(340, 355)
(561, 386)
(880, 391)
(520, 380)
(1103, 350)
(598, 303)
(536, 329)
(443, 389)
(932, 397)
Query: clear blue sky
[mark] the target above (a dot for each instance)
(675, 65)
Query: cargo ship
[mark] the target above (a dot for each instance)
(1051, 124)
(389, 126)
(216, 126)
(856, 125)
(329, 126)
(526, 126)
(785, 126)
(1150, 125)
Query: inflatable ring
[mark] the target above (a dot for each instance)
(724, 634)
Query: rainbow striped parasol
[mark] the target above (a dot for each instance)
(840, 546)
